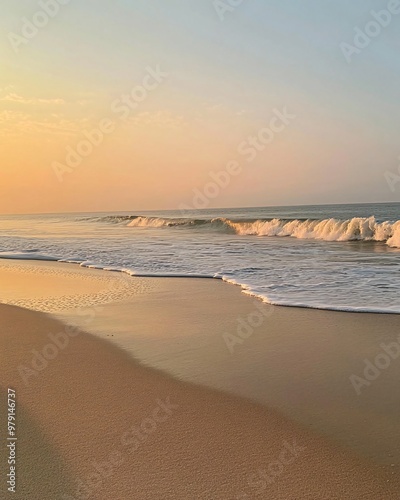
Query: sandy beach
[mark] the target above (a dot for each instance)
(199, 250)
(94, 422)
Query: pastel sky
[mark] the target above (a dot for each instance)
(214, 78)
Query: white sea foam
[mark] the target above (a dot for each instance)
(356, 229)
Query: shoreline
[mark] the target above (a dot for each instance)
(244, 288)
(307, 364)
(227, 437)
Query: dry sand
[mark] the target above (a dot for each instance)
(92, 418)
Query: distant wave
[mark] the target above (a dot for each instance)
(158, 222)
(355, 229)
(112, 219)
(161, 222)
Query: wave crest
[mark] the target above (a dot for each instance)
(355, 229)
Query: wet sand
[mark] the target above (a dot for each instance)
(95, 423)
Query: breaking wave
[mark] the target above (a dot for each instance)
(355, 229)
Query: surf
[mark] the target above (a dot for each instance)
(363, 229)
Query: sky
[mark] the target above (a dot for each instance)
(131, 104)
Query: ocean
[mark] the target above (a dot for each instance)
(337, 257)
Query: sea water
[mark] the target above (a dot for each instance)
(339, 257)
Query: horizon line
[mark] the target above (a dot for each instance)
(203, 209)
